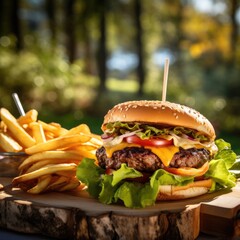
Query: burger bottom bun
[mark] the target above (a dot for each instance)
(194, 189)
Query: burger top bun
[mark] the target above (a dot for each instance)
(159, 113)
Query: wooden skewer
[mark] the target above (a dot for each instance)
(165, 79)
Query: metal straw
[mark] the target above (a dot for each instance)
(18, 104)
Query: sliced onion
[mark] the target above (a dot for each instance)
(106, 136)
(110, 141)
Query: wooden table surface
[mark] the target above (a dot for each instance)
(212, 215)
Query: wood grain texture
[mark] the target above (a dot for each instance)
(75, 215)
(71, 223)
(221, 215)
(70, 216)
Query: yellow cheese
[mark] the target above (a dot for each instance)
(120, 146)
(164, 153)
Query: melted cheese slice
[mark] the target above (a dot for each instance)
(164, 153)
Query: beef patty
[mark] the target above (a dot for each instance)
(145, 160)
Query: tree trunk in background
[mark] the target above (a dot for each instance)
(3, 21)
(139, 45)
(16, 25)
(70, 30)
(86, 39)
(88, 66)
(51, 13)
(234, 31)
(102, 49)
(177, 19)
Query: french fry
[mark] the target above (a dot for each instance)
(82, 128)
(48, 135)
(8, 144)
(66, 173)
(29, 117)
(3, 127)
(37, 132)
(86, 147)
(54, 152)
(17, 131)
(49, 169)
(43, 163)
(85, 152)
(59, 182)
(72, 184)
(57, 125)
(61, 129)
(57, 143)
(54, 128)
(42, 184)
(74, 155)
(96, 140)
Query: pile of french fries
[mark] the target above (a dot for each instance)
(53, 152)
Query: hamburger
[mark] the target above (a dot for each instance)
(153, 151)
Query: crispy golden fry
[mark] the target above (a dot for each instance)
(82, 128)
(96, 140)
(86, 147)
(74, 155)
(72, 184)
(29, 117)
(54, 128)
(66, 173)
(62, 130)
(3, 127)
(8, 144)
(84, 151)
(50, 128)
(58, 143)
(40, 164)
(57, 182)
(57, 125)
(37, 132)
(48, 135)
(17, 131)
(54, 152)
(49, 169)
(42, 184)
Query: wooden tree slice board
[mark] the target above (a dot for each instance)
(221, 215)
(75, 215)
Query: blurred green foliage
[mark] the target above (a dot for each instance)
(204, 73)
(44, 80)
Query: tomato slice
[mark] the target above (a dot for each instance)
(188, 171)
(109, 171)
(154, 142)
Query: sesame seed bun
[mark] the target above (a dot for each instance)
(159, 113)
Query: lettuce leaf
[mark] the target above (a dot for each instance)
(220, 165)
(136, 195)
(147, 131)
(114, 188)
(89, 173)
